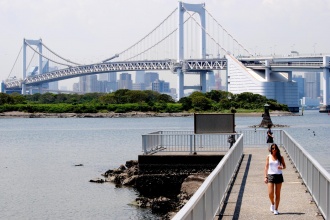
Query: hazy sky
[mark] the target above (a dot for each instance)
(88, 31)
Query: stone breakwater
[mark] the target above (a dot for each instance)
(164, 192)
(124, 115)
(91, 115)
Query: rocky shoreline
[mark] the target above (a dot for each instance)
(164, 193)
(123, 115)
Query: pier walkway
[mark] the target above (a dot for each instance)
(247, 198)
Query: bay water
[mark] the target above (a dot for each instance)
(39, 178)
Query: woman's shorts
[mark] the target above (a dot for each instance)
(275, 178)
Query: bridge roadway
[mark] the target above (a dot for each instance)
(314, 64)
(247, 197)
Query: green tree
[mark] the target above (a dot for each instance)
(107, 99)
(152, 96)
(165, 98)
(121, 96)
(6, 99)
(18, 98)
(201, 103)
(136, 96)
(47, 98)
(186, 103)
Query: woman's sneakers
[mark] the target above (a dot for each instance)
(272, 209)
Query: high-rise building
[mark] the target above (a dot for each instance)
(83, 84)
(75, 87)
(312, 85)
(301, 85)
(138, 86)
(139, 76)
(218, 82)
(125, 81)
(103, 77)
(92, 83)
(210, 82)
(150, 77)
(160, 86)
(112, 77)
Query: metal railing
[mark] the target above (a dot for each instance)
(314, 176)
(187, 141)
(184, 141)
(205, 203)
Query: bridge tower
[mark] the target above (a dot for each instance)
(198, 8)
(326, 75)
(37, 43)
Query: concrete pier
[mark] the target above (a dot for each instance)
(248, 196)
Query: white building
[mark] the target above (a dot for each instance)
(242, 79)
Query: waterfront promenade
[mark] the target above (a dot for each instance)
(248, 196)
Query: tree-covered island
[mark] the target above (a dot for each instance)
(124, 101)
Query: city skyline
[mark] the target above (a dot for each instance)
(76, 29)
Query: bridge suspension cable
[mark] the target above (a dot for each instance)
(47, 57)
(69, 61)
(15, 62)
(28, 66)
(146, 36)
(227, 32)
(149, 48)
(191, 16)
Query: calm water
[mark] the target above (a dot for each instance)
(38, 179)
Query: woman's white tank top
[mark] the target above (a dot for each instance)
(273, 166)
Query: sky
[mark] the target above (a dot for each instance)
(88, 31)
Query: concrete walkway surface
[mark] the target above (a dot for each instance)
(248, 196)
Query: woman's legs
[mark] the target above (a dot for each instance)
(271, 192)
(278, 187)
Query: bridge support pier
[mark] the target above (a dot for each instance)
(326, 74)
(202, 77)
(180, 84)
(200, 10)
(267, 71)
(289, 76)
(37, 43)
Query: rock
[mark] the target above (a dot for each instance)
(164, 191)
(130, 181)
(162, 205)
(143, 202)
(122, 168)
(131, 163)
(107, 173)
(97, 180)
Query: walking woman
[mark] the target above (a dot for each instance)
(270, 137)
(273, 176)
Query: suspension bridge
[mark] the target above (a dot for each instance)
(188, 41)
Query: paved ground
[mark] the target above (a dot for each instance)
(248, 197)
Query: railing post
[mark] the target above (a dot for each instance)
(144, 144)
(191, 143)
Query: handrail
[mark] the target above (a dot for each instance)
(205, 202)
(314, 176)
(187, 141)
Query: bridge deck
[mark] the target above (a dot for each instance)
(248, 196)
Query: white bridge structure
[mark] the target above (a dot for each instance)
(177, 50)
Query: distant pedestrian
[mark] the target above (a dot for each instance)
(232, 139)
(270, 136)
(273, 176)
